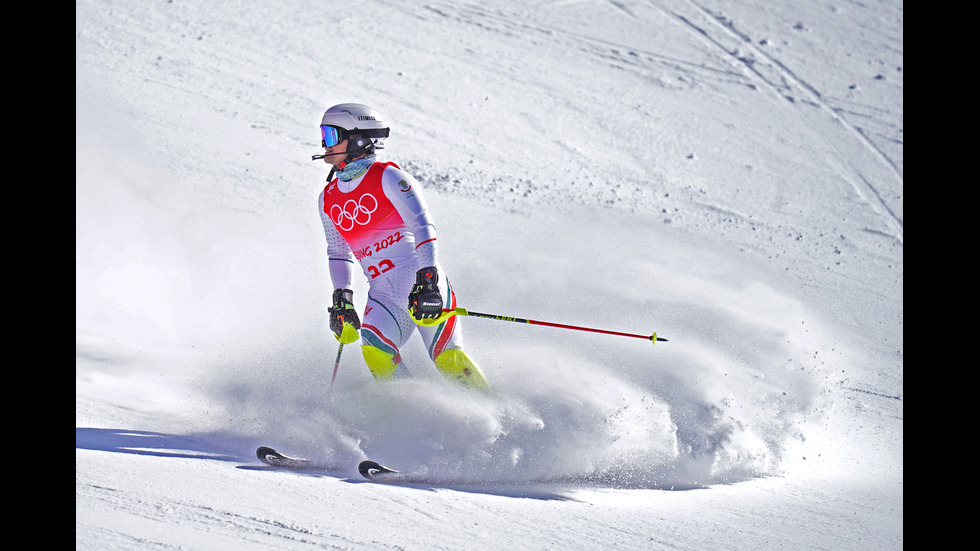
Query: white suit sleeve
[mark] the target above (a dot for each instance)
(340, 259)
(405, 194)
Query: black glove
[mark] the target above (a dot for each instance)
(343, 317)
(425, 301)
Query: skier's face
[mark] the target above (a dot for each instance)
(334, 153)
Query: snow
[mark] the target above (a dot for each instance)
(727, 174)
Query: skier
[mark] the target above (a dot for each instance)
(374, 213)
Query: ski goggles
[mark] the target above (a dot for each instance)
(333, 135)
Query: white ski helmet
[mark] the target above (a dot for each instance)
(364, 126)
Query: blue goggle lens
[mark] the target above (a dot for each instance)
(331, 135)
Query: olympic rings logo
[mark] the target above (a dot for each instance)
(354, 212)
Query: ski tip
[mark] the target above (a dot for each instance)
(270, 456)
(265, 451)
(372, 469)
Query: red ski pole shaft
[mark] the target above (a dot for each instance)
(464, 312)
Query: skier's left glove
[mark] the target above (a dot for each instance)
(343, 317)
(425, 301)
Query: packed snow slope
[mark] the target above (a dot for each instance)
(727, 174)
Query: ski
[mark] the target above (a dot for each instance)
(273, 458)
(373, 470)
(370, 470)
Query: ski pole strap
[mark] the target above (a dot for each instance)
(446, 314)
(463, 312)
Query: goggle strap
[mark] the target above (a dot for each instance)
(371, 132)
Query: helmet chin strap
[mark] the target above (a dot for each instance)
(350, 156)
(333, 169)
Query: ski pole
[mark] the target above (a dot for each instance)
(336, 365)
(447, 312)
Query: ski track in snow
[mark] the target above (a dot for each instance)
(800, 94)
(746, 65)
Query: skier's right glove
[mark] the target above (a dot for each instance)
(343, 317)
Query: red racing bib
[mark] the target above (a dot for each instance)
(370, 224)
